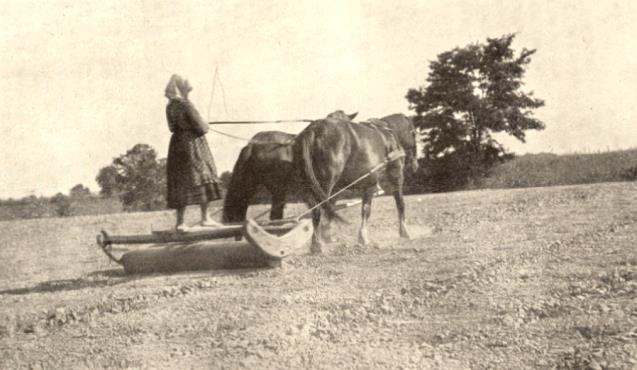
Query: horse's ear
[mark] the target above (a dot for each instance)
(352, 116)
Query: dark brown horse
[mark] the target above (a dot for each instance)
(266, 160)
(332, 153)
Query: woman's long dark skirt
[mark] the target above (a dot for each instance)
(191, 171)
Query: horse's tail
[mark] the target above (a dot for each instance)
(319, 194)
(240, 190)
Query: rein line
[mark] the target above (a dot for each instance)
(229, 135)
(258, 122)
(249, 140)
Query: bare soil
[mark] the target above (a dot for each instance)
(505, 279)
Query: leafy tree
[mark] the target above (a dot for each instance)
(108, 180)
(79, 191)
(138, 178)
(33, 207)
(472, 93)
(62, 204)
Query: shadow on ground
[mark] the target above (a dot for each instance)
(95, 279)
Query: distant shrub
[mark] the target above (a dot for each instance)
(59, 205)
(455, 171)
(532, 170)
(630, 174)
(34, 207)
(62, 205)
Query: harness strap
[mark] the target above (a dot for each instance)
(382, 128)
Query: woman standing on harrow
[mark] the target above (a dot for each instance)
(191, 171)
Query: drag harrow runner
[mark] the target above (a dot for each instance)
(203, 249)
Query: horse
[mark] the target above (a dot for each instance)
(266, 160)
(332, 153)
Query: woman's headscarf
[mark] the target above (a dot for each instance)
(177, 87)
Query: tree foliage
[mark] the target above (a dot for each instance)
(34, 207)
(108, 179)
(62, 204)
(79, 191)
(137, 177)
(472, 93)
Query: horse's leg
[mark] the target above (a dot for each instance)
(366, 211)
(326, 228)
(400, 206)
(278, 203)
(181, 211)
(317, 242)
(396, 179)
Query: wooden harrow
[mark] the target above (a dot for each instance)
(264, 245)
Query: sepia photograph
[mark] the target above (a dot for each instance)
(336, 184)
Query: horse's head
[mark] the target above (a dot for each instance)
(405, 130)
(235, 205)
(240, 189)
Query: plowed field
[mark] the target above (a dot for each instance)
(506, 279)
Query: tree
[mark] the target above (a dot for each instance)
(79, 191)
(108, 180)
(62, 203)
(138, 178)
(471, 94)
(33, 207)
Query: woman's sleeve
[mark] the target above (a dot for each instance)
(196, 122)
(171, 124)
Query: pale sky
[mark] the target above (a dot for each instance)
(83, 81)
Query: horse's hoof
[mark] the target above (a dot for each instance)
(316, 249)
(404, 234)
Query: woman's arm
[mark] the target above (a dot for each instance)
(171, 124)
(196, 122)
